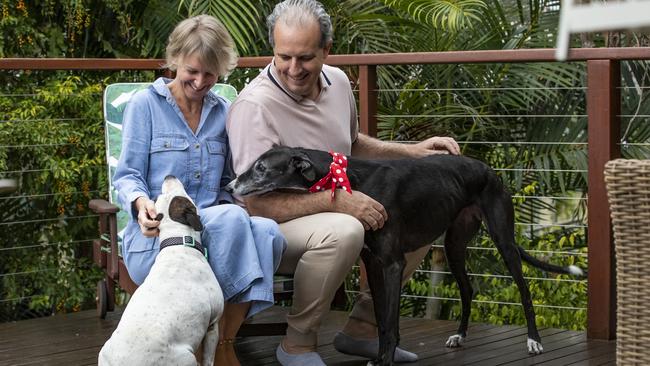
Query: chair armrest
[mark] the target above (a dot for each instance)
(101, 206)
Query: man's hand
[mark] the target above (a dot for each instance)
(435, 145)
(371, 213)
(146, 217)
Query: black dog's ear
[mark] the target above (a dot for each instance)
(305, 166)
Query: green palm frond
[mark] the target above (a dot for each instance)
(158, 20)
(635, 129)
(365, 27)
(561, 164)
(450, 15)
(527, 86)
(241, 18)
(418, 113)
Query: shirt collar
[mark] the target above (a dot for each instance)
(272, 74)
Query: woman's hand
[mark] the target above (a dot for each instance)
(146, 217)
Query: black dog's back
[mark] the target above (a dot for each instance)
(424, 195)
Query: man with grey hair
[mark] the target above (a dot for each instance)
(295, 101)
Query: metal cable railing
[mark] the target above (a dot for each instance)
(453, 57)
(70, 219)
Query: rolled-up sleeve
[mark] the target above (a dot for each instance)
(354, 121)
(130, 176)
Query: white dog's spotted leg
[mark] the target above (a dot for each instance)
(534, 346)
(455, 341)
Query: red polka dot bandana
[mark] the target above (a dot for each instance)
(337, 176)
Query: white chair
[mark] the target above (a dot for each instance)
(599, 16)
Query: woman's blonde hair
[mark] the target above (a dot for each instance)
(206, 37)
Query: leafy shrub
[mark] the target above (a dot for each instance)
(53, 143)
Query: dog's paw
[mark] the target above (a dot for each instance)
(534, 347)
(455, 341)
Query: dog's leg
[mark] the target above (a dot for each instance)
(375, 281)
(510, 255)
(461, 231)
(498, 211)
(384, 279)
(210, 344)
(513, 262)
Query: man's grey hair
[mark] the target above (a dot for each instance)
(301, 12)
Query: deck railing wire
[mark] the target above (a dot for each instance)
(602, 91)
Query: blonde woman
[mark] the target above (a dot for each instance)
(177, 127)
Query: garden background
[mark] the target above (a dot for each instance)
(528, 121)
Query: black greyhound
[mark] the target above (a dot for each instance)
(424, 198)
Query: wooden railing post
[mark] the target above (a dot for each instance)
(368, 99)
(603, 111)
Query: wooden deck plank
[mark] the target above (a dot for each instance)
(439, 354)
(573, 345)
(553, 346)
(510, 349)
(593, 349)
(602, 360)
(75, 339)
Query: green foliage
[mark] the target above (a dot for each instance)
(114, 28)
(560, 304)
(242, 18)
(567, 300)
(53, 139)
(449, 15)
(64, 28)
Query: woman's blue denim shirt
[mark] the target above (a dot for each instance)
(157, 141)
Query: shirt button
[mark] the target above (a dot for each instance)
(197, 175)
(197, 146)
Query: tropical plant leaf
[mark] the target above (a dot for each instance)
(449, 15)
(241, 18)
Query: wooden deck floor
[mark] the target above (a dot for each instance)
(75, 339)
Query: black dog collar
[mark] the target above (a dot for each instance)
(187, 241)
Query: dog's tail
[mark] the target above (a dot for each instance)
(498, 212)
(570, 270)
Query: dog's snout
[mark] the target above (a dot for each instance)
(172, 184)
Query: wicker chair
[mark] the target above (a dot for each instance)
(628, 190)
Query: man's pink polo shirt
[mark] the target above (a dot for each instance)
(266, 113)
